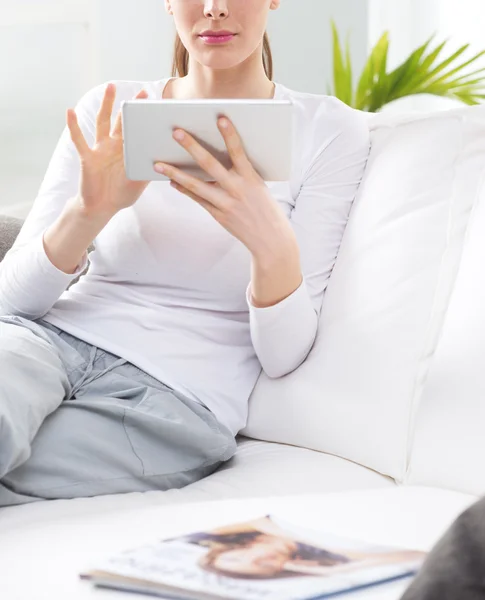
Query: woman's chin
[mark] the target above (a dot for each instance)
(219, 63)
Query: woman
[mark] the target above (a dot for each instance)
(138, 376)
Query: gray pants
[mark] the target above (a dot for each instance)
(78, 421)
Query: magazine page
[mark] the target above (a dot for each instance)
(263, 559)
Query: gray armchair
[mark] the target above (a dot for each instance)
(9, 230)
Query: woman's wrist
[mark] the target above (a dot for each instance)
(66, 241)
(276, 274)
(274, 250)
(89, 217)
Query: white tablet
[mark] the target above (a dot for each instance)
(265, 127)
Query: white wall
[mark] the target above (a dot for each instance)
(136, 40)
(301, 38)
(47, 51)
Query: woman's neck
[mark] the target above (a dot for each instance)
(211, 84)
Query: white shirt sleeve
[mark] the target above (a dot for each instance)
(29, 283)
(284, 334)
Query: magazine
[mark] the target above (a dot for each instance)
(263, 559)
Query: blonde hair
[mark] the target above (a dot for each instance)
(180, 65)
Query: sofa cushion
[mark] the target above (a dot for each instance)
(356, 394)
(9, 230)
(449, 442)
(258, 470)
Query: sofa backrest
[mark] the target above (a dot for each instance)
(370, 389)
(448, 439)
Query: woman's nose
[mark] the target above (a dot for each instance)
(216, 9)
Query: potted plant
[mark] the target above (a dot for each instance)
(423, 72)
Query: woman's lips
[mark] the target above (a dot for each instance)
(217, 39)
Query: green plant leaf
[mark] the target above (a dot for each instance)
(458, 69)
(374, 70)
(456, 85)
(401, 76)
(381, 79)
(349, 82)
(430, 59)
(365, 84)
(467, 99)
(338, 63)
(342, 69)
(442, 66)
(337, 59)
(424, 71)
(471, 74)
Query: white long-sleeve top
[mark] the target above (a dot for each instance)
(168, 288)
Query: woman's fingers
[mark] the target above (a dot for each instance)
(235, 147)
(76, 134)
(209, 206)
(205, 160)
(118, 127)
(103, 118)
(203, 189)
(103, 121)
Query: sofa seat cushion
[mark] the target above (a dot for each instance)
(258, 469)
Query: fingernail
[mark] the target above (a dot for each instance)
(159, 168)
(223, 123)
(178, 135)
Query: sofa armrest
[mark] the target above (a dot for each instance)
(9, 230)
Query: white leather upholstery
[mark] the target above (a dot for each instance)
(358, 393)
(448, 449)
(259, 469)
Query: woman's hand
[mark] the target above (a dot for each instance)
(104, 187)
(238, 198)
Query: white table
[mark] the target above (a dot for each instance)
(408, 517)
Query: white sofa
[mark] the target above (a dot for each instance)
(391, 399)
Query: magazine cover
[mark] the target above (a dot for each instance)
(264, 559)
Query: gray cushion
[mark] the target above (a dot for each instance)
(9, 230)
